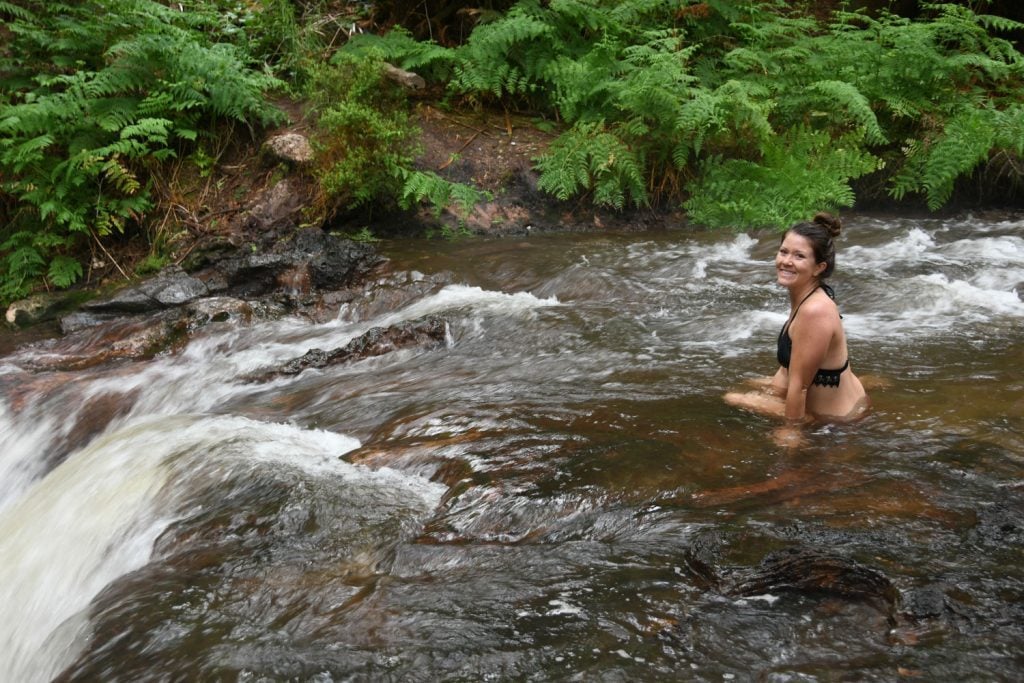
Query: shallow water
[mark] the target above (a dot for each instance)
(519, 503)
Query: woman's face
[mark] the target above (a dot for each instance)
(794, 262)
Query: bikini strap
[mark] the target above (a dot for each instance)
(797, 309)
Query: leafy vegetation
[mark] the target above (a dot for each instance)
(745, 112)
(749, 113)
(367, 143)
(93, 95)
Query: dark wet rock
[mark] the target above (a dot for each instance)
(392, 292)
(703, 559)
(275, 211)
(311, 259)
(91, 339)
(797, 569)
(925, 602)
(333, 261)
(171, 287)
(81, 320)
(810, 570)
(227, 309)
(134, 338)
(427, 332)
(1000, 523)
(298, 274)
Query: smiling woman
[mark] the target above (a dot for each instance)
(814, 381)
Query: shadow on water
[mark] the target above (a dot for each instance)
(561, 494)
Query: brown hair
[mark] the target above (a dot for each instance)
(821, 232)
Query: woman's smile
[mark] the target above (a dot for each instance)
(794, 262)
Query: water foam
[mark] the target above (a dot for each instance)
(95, 517)
(454, 297)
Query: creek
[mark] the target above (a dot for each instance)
(519, 503)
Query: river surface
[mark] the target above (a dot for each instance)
(518, 503)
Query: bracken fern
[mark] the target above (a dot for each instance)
(91, 94)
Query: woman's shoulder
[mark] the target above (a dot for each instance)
(819, 307)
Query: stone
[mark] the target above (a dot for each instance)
(35, 309)
(292, 148)
(808, 570)
(275, 210)
(406, 79)
(426, 332)
(171, 287)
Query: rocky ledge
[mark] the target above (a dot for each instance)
(310, 273)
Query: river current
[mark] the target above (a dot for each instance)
(518, 504)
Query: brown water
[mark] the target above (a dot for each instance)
(520, 504)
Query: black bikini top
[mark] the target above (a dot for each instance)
(824, 378)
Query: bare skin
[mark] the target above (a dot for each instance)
(819, 341)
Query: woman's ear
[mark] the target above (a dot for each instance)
(820, 268)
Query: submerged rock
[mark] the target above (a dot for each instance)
(797, 569)
(810, 570)
(427, 332)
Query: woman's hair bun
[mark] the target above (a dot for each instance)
(831, 223)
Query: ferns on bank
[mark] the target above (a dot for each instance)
(589, 157)
(366, 142)
(740, 108)
(92, 93)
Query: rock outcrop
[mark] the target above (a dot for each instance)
(424, 333)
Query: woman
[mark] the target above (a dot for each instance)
(814, 380)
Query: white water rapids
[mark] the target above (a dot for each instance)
(565, 352)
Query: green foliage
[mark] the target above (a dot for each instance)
(400, 48)
(364, 135)
(589, 157)
(366, 141)
(815, 169)
(750, 112)
(430, 188)
(93, 96)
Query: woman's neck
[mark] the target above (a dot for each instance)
(797, 296)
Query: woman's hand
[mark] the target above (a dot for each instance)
(789, 437)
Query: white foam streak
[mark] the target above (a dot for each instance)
(21, 443)
(915, 247)
(95, 517)
(454, 297)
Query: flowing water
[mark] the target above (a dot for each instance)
(518, 503)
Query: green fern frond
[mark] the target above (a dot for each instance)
(843, 95)
(9, 9)
(63, 271)
(590, 158)
(430, 188)
(965, 143)
(801, 172)
(20, 155)
(115, 173)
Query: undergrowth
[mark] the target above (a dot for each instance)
(748, 113)
(95, 96)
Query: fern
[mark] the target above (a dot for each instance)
(840, 95)
(99, 92)
(430, 188)
(591, 157)
(932, 169)
(801, 172)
